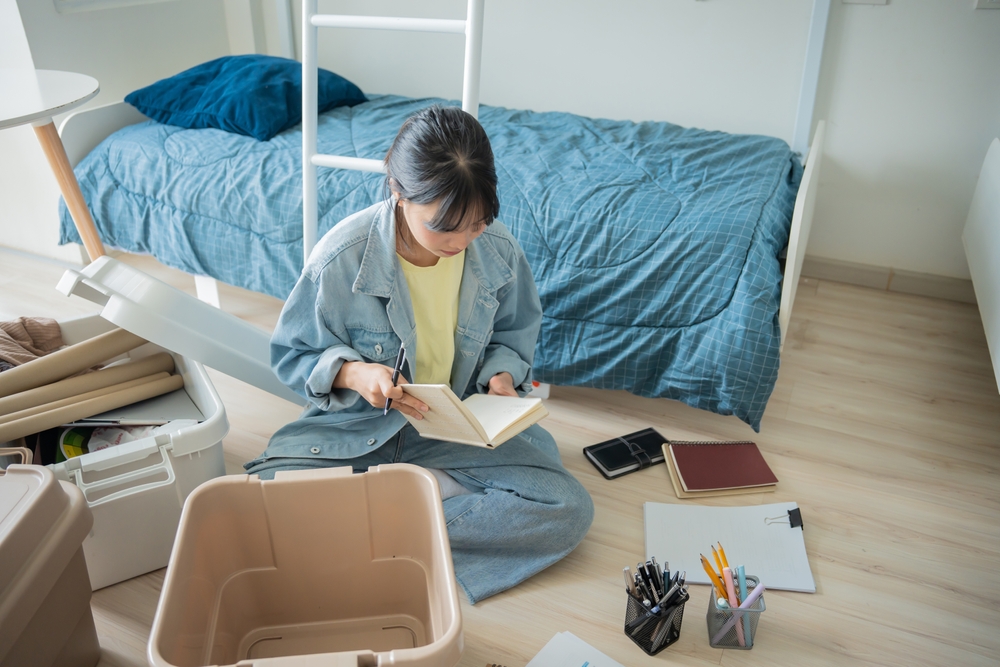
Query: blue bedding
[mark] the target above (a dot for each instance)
(655, 247)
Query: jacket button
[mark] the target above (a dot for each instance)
(371, 441)
(314, 450)
(378, 348)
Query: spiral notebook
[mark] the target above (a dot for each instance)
(700, 469)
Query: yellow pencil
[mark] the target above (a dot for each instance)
(719, 588)
(722, 554)
(718, 561)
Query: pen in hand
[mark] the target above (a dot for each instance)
(395, 376)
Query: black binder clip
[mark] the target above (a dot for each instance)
(638, 453)
(794, 518)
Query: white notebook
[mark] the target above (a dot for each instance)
(484, 420)
(759, 537)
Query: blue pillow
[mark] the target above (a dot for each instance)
(258, 96)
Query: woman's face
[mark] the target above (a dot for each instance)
(431, 245)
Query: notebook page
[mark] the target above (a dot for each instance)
(774, 552)
(567, 650)
(495, 413)
(445, 420)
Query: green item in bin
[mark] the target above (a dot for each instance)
(72, 443)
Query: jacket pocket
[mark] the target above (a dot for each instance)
(375, 346)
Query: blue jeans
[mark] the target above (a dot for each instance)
(525, 512)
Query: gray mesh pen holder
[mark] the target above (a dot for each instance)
(653, 632)
(719, 618)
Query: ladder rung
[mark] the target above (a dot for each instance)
(388, 23)
(343, 162)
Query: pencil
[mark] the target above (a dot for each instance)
(719, 588)
(722, 554)
(718, 561)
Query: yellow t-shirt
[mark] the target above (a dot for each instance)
(434, 294)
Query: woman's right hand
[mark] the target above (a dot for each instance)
(374, 383)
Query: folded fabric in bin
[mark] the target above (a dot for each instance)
(28, 338)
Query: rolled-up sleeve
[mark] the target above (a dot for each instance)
(515, 328)
(308, 350)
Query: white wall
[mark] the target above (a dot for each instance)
(911, 93)
(124, 49)
(910, 90)
(688, 62)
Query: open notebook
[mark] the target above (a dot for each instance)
(483, 420)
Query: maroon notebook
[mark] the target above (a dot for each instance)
(710, 466)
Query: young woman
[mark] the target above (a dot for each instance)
(429, 269)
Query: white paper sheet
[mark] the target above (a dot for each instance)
(768, 548)
(568, 650)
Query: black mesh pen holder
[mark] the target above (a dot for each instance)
(653, 631)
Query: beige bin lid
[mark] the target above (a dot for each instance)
(43, 522)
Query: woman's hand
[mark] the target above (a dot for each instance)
(502, 384)
(374, 383)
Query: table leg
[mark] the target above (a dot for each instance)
(52, 145)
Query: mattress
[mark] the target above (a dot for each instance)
(655, 247)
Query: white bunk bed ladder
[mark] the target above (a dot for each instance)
(471, 27)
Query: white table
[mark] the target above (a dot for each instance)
(34, 97)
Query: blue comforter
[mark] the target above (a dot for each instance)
(655, 247)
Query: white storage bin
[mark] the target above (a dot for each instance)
(136, 490)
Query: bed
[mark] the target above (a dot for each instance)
(657, 250)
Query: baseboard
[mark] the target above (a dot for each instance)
(889, 279)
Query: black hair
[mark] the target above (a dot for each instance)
(442, 154)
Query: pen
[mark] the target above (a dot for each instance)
(395, 376)
(742, 580)
(654, 583)
(666, 574)
(629, 584)
(656, 573)
(749, 602)
(727, 575)
(662, 631)
(722, 555)
(644, 575)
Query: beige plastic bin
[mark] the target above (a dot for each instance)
(45, 616)
(316, 567)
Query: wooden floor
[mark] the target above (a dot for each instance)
(884, 427)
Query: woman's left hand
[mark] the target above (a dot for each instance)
(502, 384)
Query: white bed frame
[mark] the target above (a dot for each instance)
(83, 130)
(981, 238)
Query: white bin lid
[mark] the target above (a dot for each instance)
(178, 322)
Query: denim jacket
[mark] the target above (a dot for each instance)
(352, 303)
